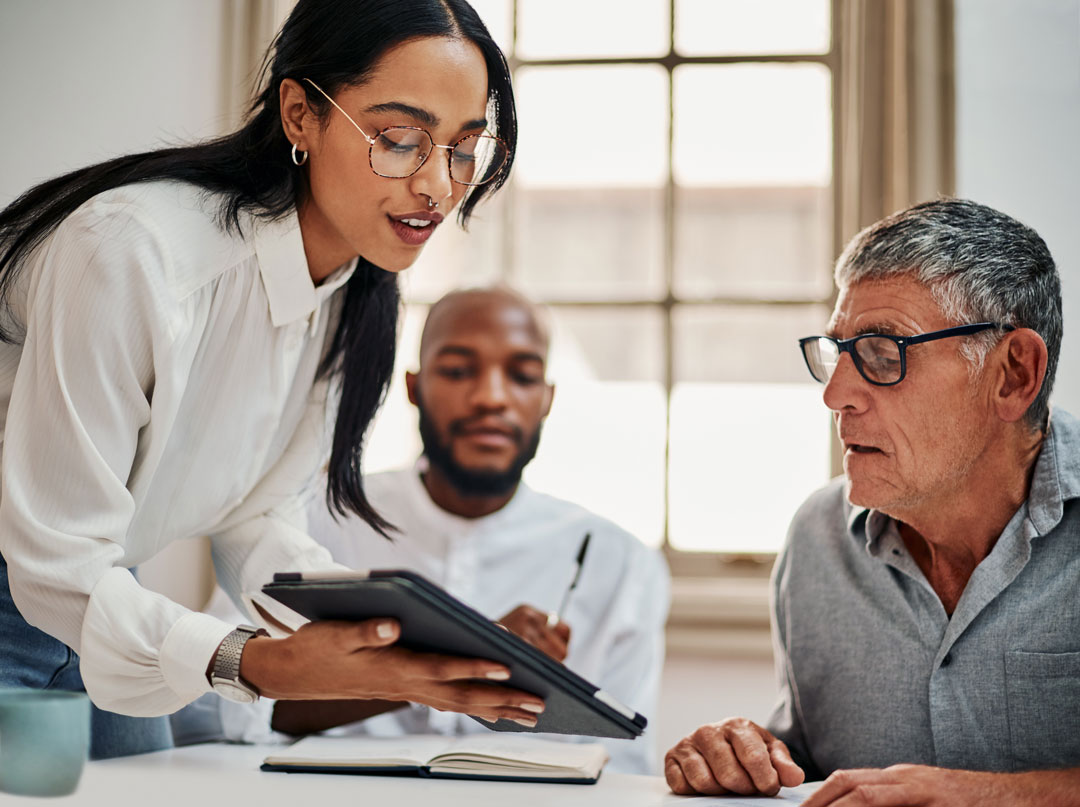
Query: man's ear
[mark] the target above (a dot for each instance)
(412, 382)
(1021, 358)
(549, 394)
(297, 119)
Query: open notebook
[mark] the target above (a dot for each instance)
(513, 758)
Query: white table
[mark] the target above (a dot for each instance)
(216, 774)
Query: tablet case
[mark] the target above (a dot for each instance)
(434, 621)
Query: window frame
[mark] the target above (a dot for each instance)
(749, 565)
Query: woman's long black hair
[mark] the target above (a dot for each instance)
(336, 43)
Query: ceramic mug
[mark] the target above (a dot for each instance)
(44, 739)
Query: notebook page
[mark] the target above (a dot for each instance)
(413, 750)
(525, 752)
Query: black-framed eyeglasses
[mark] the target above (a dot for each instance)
(879, 357)
(397, 152)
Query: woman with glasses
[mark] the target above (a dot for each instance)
(188, 333)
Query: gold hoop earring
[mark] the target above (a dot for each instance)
(298, 160)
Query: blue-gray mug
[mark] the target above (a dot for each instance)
(44, 738)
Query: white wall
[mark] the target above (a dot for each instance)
(84, 81)
(1018, 134)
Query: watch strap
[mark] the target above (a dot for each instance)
(227, 661)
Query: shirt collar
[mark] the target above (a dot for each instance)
(870, 525)
(283, 266)
(1055, 480)
(1057, 472)
(459, 526)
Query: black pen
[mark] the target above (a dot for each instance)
(555, 616)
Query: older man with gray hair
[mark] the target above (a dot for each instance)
(926, 607)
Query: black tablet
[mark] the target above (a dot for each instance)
(434, 621)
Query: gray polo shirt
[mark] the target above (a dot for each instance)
(873, 671)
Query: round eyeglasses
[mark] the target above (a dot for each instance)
(880, 358)
(397, 152)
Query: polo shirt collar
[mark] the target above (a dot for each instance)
(1057, 472)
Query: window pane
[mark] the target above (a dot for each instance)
(743, 458)
(726, 27)
(758, 125)
(753, 202)
(749, 432)
(603, 444)
(764, 243)
(453, 258)
(589, 220)
(608, 344)
(556, 29)
(744, 343)
(394, 441)
(592, 126)
(590, 244)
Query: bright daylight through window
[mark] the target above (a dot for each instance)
(677, 219)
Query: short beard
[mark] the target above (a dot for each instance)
(468, 482)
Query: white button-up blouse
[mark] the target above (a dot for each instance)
(164, 387)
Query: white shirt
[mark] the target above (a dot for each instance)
(164, 389)
(523, 554)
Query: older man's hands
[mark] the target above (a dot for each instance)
(927, 786)
(904, 785)
(732, 756)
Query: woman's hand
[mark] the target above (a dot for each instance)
(351, 660)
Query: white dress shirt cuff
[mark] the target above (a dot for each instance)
(188, 648)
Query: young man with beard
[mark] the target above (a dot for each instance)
(466, 521)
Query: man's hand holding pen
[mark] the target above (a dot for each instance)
(546, 630)
(533, 626)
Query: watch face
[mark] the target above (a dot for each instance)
(235, 692)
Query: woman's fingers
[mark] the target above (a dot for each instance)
(359, 660)
(488, 701)
(437, 667)
(348, 637)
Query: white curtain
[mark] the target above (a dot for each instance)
(895, 90)
(249, 28)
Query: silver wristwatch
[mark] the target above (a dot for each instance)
(225, 675)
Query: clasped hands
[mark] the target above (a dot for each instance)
(337, 660)
(736, 756)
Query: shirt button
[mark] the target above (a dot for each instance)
(945, 662)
